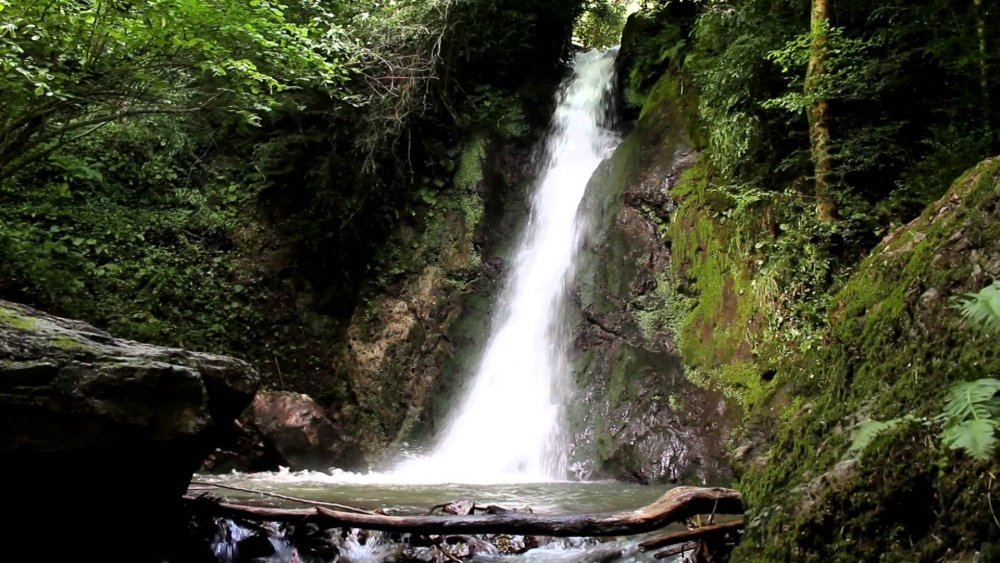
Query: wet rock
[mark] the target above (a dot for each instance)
(309, 539)
(636, 415)
(493, 509)
(89, 420)
(510, 545)
(254, 547)
(473, 546)
(460, 508)
(300, 431)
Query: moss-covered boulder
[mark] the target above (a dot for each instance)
(93, 422)
(893, 346)
(637, 415)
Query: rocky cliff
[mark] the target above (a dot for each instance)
(637, 415)
(424, 317)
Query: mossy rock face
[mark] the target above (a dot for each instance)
(636, 414)
(715, 292)
(893, 346)
(424, 319)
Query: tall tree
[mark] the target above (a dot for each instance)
(818, 110)
(984, 71)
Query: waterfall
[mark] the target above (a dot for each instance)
(508, 425)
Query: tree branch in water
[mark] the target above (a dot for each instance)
(676, 505)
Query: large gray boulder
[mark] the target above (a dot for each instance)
(93, 422)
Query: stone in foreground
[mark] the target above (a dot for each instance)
(106, 426)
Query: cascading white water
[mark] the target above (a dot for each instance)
(507, 427)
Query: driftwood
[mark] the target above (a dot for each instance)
(676, 505)
(691, 535)
(681, 549)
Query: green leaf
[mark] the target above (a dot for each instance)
(975, 437)
(868, 431)
(969, 400)
(982, 309)
(968, 413)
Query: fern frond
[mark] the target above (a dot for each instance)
(968, 414)
(969, 400)
(975, 436)
(982, 309)
(868, 431)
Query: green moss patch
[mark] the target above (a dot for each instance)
(12, 318)
(715, 332)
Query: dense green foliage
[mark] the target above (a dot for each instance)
(224, 175)
(71, 67)
(600, 25)
(109, 212)
(909, 86)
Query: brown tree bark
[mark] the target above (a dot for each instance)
(984, 73)
(676, 505)
(818, 112)
(691, 535)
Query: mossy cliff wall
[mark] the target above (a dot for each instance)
(637, 416)
(888, 346)
(892, 347)
(424, 316)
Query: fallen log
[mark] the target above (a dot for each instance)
(679, 550)
(691, 535)
(676, 505)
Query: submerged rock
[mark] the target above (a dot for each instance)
(301, 433)
(98, 423)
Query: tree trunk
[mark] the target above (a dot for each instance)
(818, 112)
(676, 505)
(984, 74)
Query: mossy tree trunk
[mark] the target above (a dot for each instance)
(981, 8)
(819, 120)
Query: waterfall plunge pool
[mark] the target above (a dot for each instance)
(370, 492)
(373, 492)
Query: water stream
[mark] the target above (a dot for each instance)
(507, 428)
